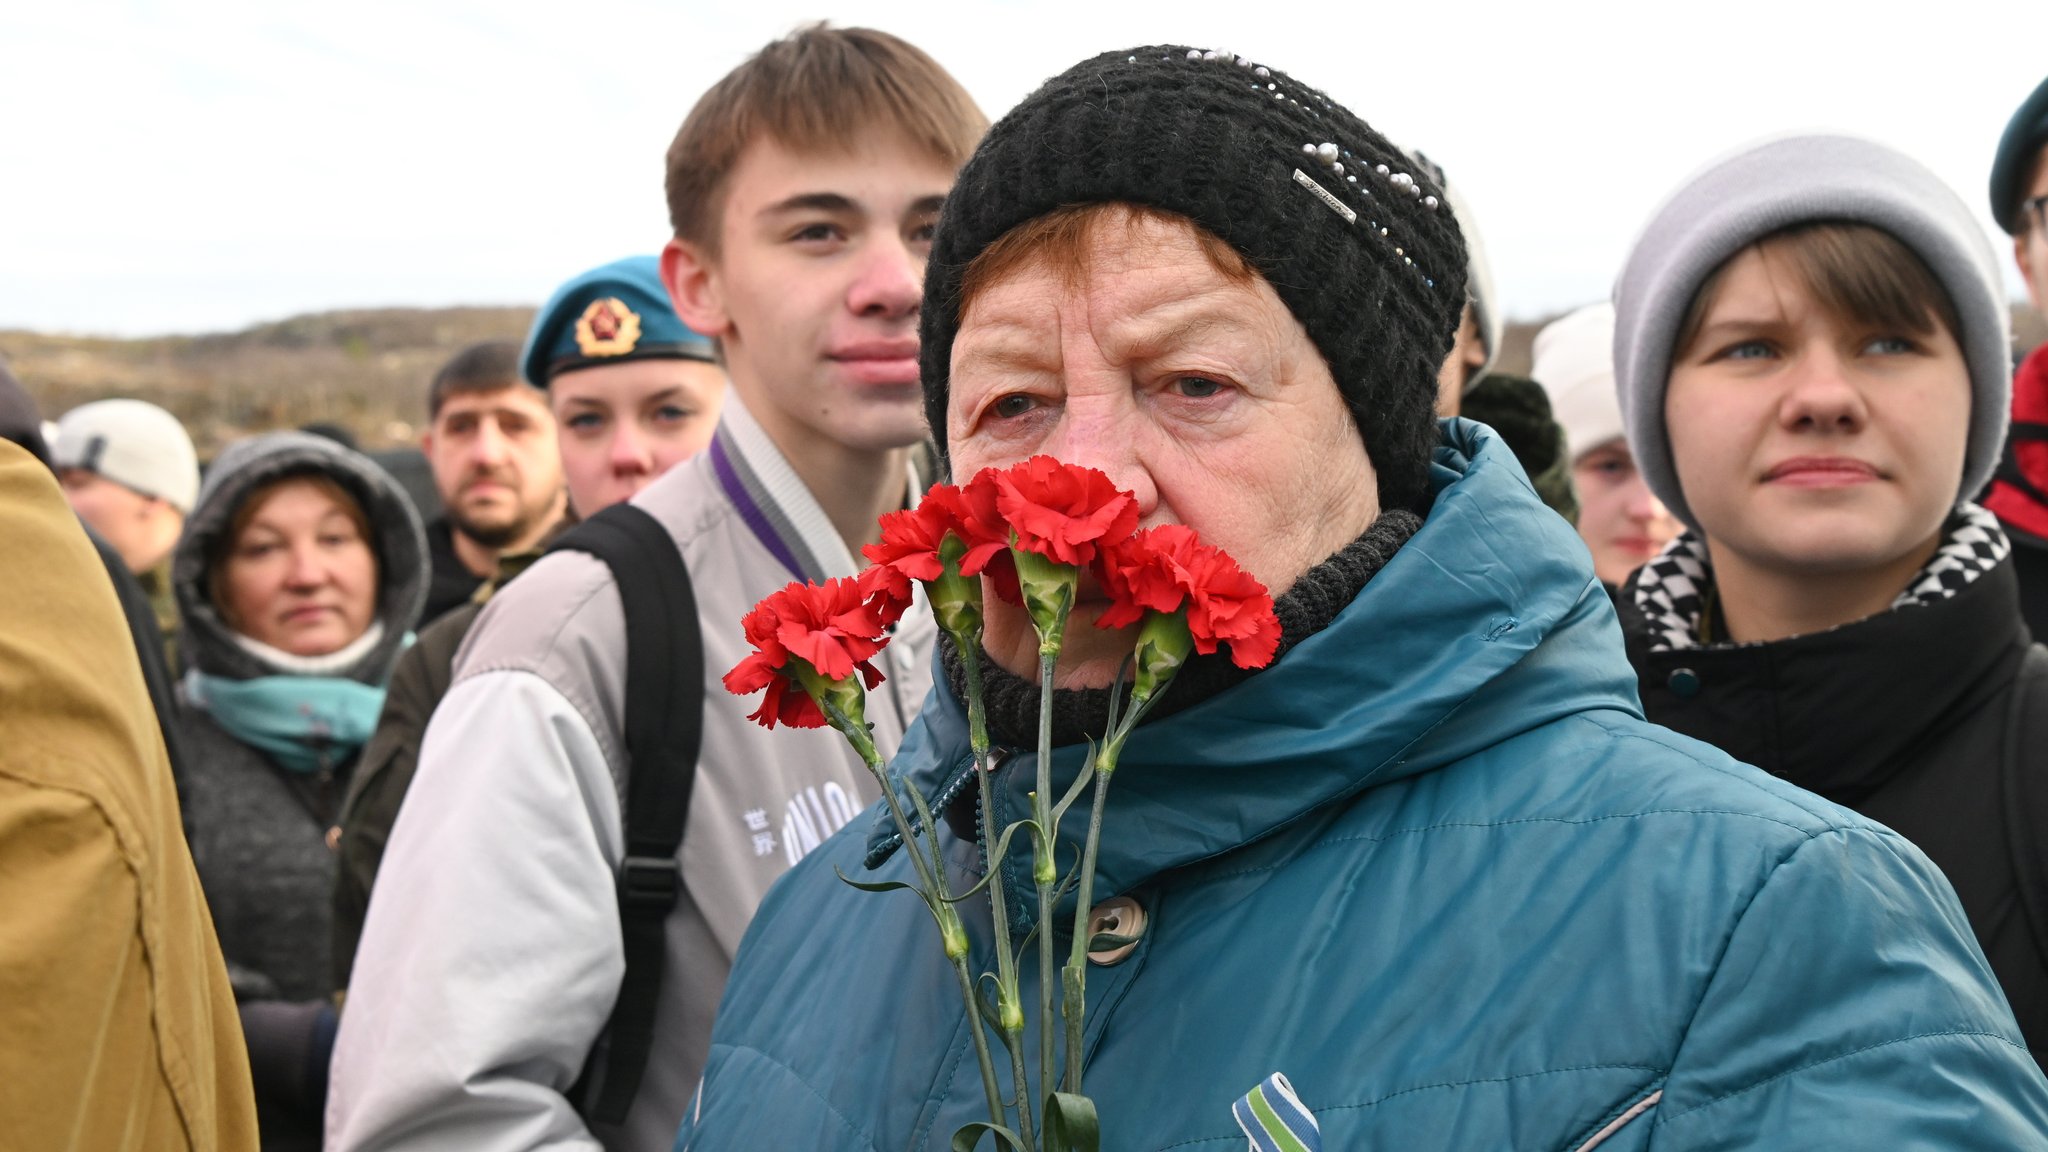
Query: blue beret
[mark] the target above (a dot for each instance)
(609, 315)
(2024, 135)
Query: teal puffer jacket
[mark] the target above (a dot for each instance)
(1435, 868)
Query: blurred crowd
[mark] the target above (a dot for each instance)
(334, 814)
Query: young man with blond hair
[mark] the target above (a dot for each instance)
(803, 190)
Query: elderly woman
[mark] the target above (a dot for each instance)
(1431, 864)
(1815, 368)
(299, 569)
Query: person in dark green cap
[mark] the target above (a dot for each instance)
(2019, 497)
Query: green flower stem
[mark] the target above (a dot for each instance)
(931, 876)
(1163, 647)
(1075, 978)
(1009, 1008)
(1048, 589)
(998, 898)
(1045, 870)
(1014, 1041)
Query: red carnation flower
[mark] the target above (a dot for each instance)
(911, 540)
(1064, 512)
(835, 628)
(1168, 568)
(980, 501)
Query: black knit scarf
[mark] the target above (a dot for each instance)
(1079, 713)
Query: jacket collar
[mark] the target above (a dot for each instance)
(1490, 614)
(1669, 593)
(1837, 712)
(776, 504)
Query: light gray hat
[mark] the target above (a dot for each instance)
(1776, 185)
(133, 443)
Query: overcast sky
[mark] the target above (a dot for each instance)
(205, 164)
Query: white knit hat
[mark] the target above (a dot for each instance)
(1775, 185)
(133, 443)
(1574, 361)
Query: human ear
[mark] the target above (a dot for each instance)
(694, 289)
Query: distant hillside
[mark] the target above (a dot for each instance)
(367, 370)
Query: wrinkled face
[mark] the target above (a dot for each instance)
(1201, 394)
(815, 290)
(300, 577)
(2030, 248)
(1806, 442)
(1621, 523)
(141, 528)
(495, 463)
(624, 424)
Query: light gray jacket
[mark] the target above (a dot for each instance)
(490, 956)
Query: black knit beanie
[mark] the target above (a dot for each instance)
(1361, 247)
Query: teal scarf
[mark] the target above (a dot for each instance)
(305, 723)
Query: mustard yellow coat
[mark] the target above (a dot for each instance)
(117, 1026)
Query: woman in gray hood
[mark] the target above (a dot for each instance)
(297, 577)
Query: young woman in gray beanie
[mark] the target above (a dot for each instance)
(1811, 362)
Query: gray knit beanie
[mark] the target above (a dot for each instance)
(1773, 186)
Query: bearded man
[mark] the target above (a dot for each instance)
(492, 446)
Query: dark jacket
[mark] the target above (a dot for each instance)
(1907, 717)
(259, 838)
(260, 832)
(139, 610)
(2030, 566)
(450, 583)
(2019, 496)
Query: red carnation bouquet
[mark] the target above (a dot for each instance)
(1030, 531)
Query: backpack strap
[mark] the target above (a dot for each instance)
(2026, 791)
(664, 732)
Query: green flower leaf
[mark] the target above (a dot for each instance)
(1070, 1124)
(1104, 941)
(1080, 784)
(995, 862)
(990, 1014)
(966, 1138)
(877, 886)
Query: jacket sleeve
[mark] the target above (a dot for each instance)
(490, 957)
(384, 774)
(1852, 1009)
(63, 880)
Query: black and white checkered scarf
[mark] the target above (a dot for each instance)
(1670, 590)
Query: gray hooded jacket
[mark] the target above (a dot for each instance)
(259, 832)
